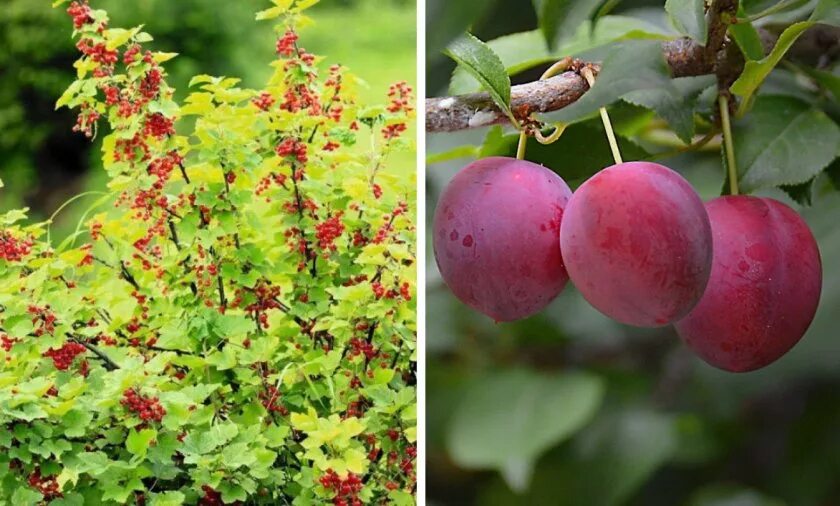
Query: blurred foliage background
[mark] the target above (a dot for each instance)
(572, 408)
(43, 163)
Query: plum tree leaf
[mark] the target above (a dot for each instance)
(783, 141)
(579, 153)
(484, 65)
(481, 436)
(629, 66)
(675, 104)
(747, 37)
(451, 19)
(524, 50)
(688, 17)
(558, 19)
(755, 71)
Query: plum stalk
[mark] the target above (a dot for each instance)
(723, 101)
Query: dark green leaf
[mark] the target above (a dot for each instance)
(783, 141)
(801, 193)
(580, 152)
(688, 17)
(525, 50)
(538, 412)
(629, 66)
(448, 20)
(827, 80)
(747, 38)
(484, 65)
(558, 19)
(731, 495)
(676, 104)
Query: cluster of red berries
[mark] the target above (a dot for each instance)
(45, 485)
(346, 490)
(355, 280)
(63, 357)
(264, 101)
(292, 147)
(400, 95)
(393, 131)
(158, 126)
(98, 52)
(377, 191)
(328, 231)
(362, 347)
(86, 121)
(80, 12)
(13, 249)
(148, 408)
(266, 182)
(43, 318)
(210, 497)
(379, 291)
(270, 400)
(286, 44)
(150, 85)
(7, 342)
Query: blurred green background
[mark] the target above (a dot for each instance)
(43, 163)
(610, 414)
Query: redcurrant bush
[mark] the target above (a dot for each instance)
(234, 320)
(764, 287)
(496, 236)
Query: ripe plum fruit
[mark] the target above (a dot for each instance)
(764, 287)
(496, 236)
(636, 242)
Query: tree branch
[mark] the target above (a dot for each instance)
(684, 56)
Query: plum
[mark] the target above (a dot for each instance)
(637, 243)
(496, 236)
(764, 287)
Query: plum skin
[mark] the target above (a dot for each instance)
(496, 236)
(764, 288)
(637, 243)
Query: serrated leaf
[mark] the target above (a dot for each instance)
(675, 104)
(783, 141)
(755, 71)
(524, 50)
(558, 19)
(484, 65)
(629, 66)
(485, 435)
(688, 17)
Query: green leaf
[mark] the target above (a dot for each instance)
(172, 498)
(451, 19)
(688, 17)
(484, 65)
(137, 442)
(538, 412)
(747, 37)
(455, 153)
(755, 71)
(623, 451)
(724, 494)
(783, 141)
(558, 19)
(629, 66)
(579, 153)
(827, 80)
(675, 104)
(524, 50)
